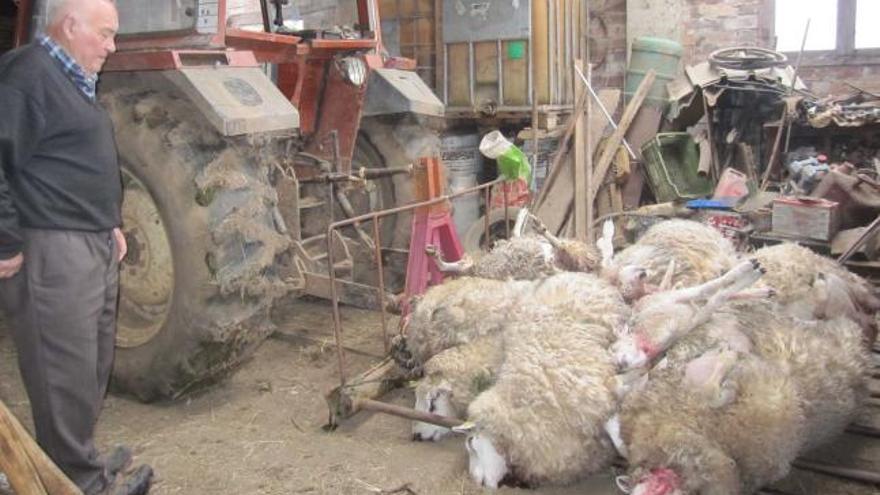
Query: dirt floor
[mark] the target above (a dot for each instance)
(260, 431)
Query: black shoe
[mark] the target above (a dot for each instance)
(136, 483)
(118, 460)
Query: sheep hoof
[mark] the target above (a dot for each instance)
(757, 265)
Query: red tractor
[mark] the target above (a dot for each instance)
(238, 146)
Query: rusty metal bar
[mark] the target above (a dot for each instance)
(488, 203)
(863, 430)
(374, 217)
(506, 213)
(377, 251)
(851, 474)
(407, 413)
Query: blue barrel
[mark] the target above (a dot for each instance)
(662, 55)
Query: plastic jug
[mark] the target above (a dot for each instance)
(512, 163)
(732, 184)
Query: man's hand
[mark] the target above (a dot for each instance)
(11, 266)
(121, 246)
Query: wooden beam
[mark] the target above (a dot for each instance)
(53, 479)
(554, 209)
(588, 165)
(629, 114)
(581, 184)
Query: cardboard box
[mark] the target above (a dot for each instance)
(806, 218)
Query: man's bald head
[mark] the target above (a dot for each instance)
(86, 29)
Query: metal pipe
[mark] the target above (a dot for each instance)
(446, 74)
(605, 112)
(797, 69)
(374, 217)
(377, 252)
(488, 203)
(867, 431)
(499, 61)
(337, 319)
(852, 474)
(264, 9)
(406, 412)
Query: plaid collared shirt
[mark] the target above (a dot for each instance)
(73, 70)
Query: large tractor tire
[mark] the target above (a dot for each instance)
(199, 279)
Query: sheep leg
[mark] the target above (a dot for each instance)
(749, 294)
(741, 282)
(545, 233)
(712, 287)
(461, 266)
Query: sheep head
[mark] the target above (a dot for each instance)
(435, 398)
(660, 481)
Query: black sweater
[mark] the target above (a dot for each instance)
(57, 152)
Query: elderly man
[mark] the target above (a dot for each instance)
(60, 242)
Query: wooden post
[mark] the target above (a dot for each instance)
(588, 146)
(51, 480)
(14, 461)
(582, 186)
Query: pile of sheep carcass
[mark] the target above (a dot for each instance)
(707, 370)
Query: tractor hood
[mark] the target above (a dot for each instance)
(394, 91)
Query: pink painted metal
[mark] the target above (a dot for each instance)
(431, 226)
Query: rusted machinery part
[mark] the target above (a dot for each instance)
(746, 58)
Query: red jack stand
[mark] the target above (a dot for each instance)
(431, 226)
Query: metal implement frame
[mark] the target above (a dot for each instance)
(376, 217)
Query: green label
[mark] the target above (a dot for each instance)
(516, 50)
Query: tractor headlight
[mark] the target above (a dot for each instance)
(354, 69)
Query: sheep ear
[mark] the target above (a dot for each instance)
(605, 243)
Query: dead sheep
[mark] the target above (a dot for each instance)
(795, 389)
(541, 421)
(826, 359)
(676, 442)
(455, 313)
(453, 379)
(698, 253)
(659, 320)
(527, 257)
(450, 376)
(810, 286)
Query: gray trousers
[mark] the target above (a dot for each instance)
(62, 306)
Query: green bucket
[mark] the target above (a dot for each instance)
(671, 161)
(659, 54)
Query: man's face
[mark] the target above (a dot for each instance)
(91, 33)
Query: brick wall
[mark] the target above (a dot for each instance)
(712, 24)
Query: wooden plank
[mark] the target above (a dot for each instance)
(50, 477)
(459, 92)
(439, 49)
(642, 130)
(540, 42)
(581, 186)
(16, 464)
(559, 195)
(629, 114)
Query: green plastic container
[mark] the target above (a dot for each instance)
(671, 161)
(662, 55)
